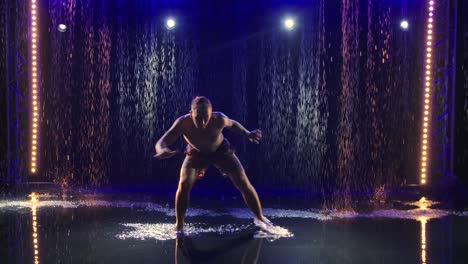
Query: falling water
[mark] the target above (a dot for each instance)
(116, 83)
(59, 114)
(346, 101)
(335, 97)
(276, 101)
(349, 140)
(311, 144)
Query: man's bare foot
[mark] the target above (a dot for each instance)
(263, 223)
(268, 227)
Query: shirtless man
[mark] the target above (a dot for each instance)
(202, 129)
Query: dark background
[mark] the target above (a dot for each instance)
(338, 98)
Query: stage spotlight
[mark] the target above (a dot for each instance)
(289, 23)
(404, 24)
(170, 23)
(62, 28)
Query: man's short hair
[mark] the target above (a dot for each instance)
(200, 100)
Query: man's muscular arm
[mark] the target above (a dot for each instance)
(169, 138)
(254, 136)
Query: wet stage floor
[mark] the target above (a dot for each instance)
(118, 229)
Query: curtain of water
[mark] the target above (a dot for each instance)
(60, 109)
(117, 81)
(347, 102)
(349, 141)
(239, 88)
(461, 136)
(277, 99)
(3, 95)
(93, 131)
(335, 98)
(296, 71)
(311, 146)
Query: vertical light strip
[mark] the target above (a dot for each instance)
(427, 94)
(423, 221)
(34, 202)
(423, 205)
(34, 87)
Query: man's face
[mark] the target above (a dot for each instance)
(201, 115)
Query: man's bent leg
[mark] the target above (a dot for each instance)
(187, 178)
(250, 197)
(234, 169)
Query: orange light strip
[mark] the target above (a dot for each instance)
(423, 221)
(34, 87)
(34, 202)
(427, 95)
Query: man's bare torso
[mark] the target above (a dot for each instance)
(206, 140)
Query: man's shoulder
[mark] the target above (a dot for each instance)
(218, 115)
(220, 118)
(182, 119)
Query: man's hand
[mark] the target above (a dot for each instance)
(166, 153)
(255, 136)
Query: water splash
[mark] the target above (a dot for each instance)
(144, 206)
(29, 204)
(166, 231)
(243, 213)
(422, 209)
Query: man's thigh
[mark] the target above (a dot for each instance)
(192, 169)
(230, 165)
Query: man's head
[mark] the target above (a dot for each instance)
(200, 111)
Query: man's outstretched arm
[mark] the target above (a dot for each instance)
(254, 136)
(169, 138)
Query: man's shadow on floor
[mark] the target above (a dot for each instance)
(187, 252)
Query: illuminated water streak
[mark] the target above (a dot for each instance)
(423, 205)
(423, 221)
(348, 139)
(34, 202)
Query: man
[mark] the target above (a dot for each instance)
(202, 129)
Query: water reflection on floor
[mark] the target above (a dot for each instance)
(97, 229)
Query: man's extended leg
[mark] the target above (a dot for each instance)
(251, 199)
(250, 195)
(188, 176)
(234, 169)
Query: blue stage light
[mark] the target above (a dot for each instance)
(289, 23)
(404, 24)
(62, 28)
(170, 23)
